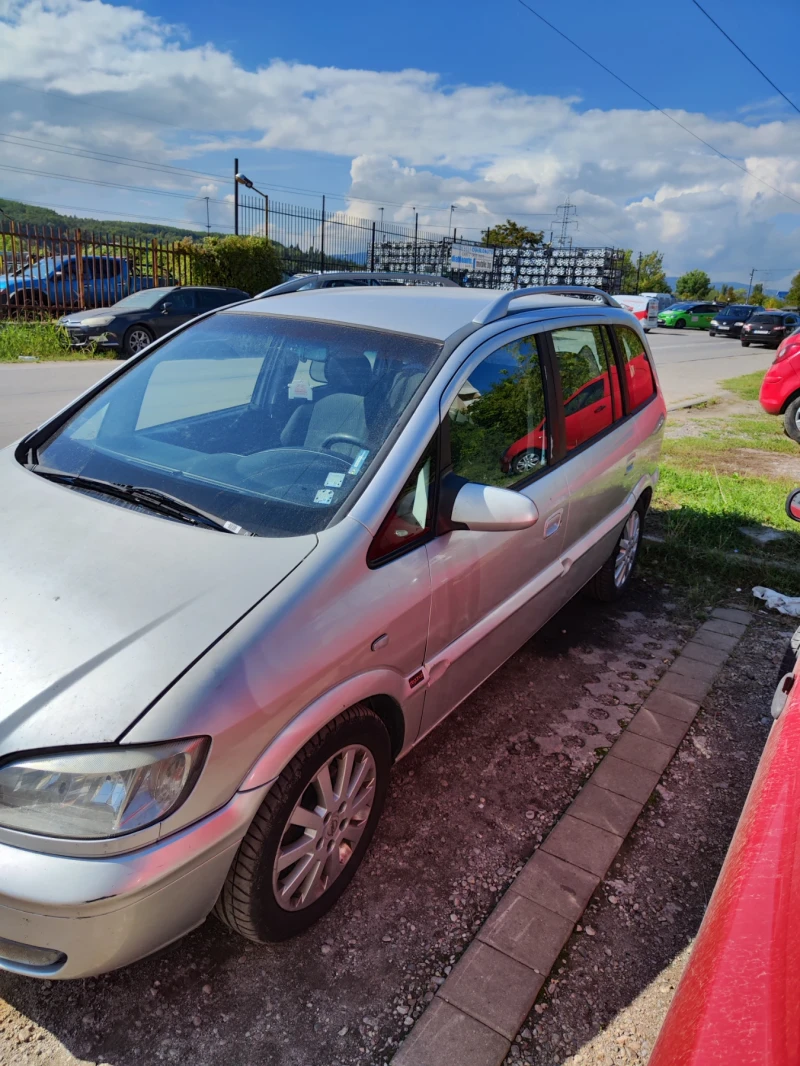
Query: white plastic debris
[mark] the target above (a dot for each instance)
(789, 605)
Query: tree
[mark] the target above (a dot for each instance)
(693, 285)
(510, 234)
(793, 296)
(650, 272)
(247, 263)
(757, 294)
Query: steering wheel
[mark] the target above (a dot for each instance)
(343, 438)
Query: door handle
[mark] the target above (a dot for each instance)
(602, 407)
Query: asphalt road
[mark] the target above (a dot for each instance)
(690, 364)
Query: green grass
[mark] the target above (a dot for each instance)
(746, 386)
(44, 340)
(701, 505)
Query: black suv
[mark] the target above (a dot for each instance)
(729, 320)
(769, 327)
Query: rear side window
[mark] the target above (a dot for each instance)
(636, 366)
(589, 383)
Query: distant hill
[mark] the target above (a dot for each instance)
(718, 285)
(44, 216)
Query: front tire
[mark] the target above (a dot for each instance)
(526, 462)
(711, 333)
(136, 338)
(311, 832)
(614, 576)
(791, 420)
(680, 324)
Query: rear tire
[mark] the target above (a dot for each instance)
(745, 344)
(791, 420)
(614, 576)
(526, 462)
(311, 832)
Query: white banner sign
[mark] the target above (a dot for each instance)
(472, 257)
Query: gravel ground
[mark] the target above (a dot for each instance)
(465, 810)
(611, 989)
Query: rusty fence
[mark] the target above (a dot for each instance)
(46, 271)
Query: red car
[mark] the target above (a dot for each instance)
(587, 412)
(737, 1003)
(780, 389)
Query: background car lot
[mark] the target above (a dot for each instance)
(689, 365)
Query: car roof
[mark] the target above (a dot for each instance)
(425, 312)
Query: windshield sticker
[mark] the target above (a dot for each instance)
(324, 496)
(334, 481)
(358, 462)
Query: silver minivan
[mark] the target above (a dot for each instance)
(255, 565)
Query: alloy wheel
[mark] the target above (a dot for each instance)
(324, 828)
(529, 460)
(138, 339)
(628, 547)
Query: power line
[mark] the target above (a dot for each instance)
(752, 63)
(650, 103)
(188, 223)
(185, 195)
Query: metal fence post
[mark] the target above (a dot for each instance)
(79, 271)
(372, 250)
(235, 197)
(322, 239)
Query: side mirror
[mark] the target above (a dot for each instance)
(793, 505)
(491, 509)
(166, 308)
(57, 276)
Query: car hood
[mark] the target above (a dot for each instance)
(95, 312)
(102, 607)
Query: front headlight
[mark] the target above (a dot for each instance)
(100, 320)
(738, 323)
(98, 793)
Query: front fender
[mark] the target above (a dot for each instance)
(294, 736)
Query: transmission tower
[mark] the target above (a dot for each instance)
(566, 216)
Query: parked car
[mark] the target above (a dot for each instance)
(665, 299)
(780, 388)
(291, 553)
(57, 282)
(688, 314)
(769, 328)
(729, 321)
(736, 1001)
(345, 279)
(645, 308)
(131, 324)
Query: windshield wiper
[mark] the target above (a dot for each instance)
(153, 499)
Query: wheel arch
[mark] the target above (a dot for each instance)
(384, 691)
(789, 399)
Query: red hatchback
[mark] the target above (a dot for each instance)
(780, 389)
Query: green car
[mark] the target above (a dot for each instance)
(690, 314)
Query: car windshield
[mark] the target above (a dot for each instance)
(141, 301)
(680, 306)
(265, 421)
(734, 312)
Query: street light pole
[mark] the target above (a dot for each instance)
(236, 196)
(242, 180)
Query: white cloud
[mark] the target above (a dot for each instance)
(636, 178)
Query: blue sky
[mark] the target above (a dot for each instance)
(426, 104)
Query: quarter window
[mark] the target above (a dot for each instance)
(589, 382)
(499, 432)
(411, 517)
(636, 366)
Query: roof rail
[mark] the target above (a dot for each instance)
(499, 308)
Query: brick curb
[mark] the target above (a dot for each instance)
(491, 990)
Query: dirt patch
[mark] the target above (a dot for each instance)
(693, 421)
(465, 810)
(750, 462)
(613, 984)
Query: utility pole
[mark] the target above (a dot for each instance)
(638, 272)
(208, 221)
(750, 286)
(450, 225)
(235, 197)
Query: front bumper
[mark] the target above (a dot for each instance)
(101, 338)
(67, 916)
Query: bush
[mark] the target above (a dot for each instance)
(45, 340)
(247, 263)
